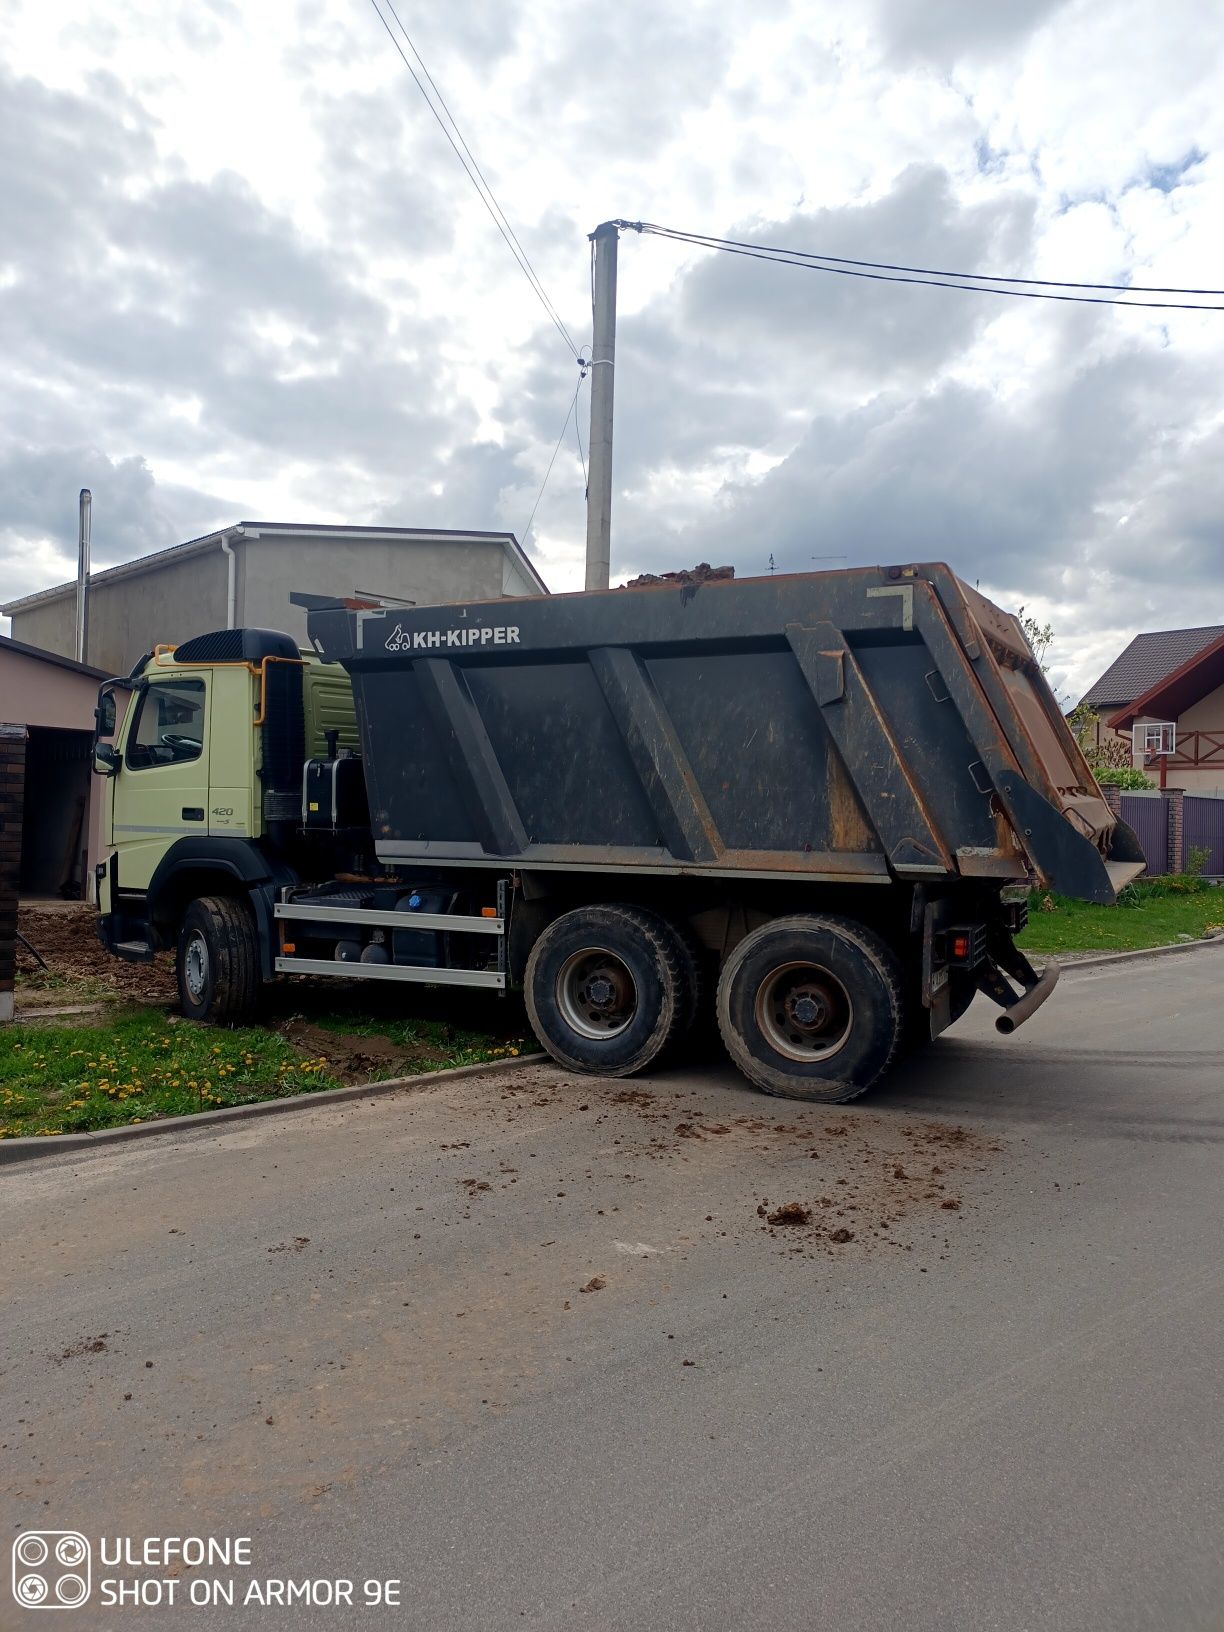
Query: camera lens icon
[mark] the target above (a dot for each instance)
(31, 1590)
(71, 1551)
(70, 1590)
(32, 1551)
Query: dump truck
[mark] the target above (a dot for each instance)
(809, 809)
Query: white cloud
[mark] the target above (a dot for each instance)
(242, 273)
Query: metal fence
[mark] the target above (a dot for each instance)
(1148, 814)
(1169, 823)
(1203, 828)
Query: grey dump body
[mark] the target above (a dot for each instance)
(855, 727)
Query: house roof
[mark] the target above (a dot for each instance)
(282, 529)
(1171, 696)
(8, 644)
(1149, 659)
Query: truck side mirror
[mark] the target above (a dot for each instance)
(104, 715)
(105, 759)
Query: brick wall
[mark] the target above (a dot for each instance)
(1175, 799)
(12, 799)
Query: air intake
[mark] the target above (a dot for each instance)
(236, 646)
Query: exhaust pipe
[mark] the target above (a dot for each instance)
(1018, 1012)
(82, 609)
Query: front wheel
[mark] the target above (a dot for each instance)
(217, 961)
(812, 1007)
(605, 989)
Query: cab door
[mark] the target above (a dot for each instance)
(161, 790)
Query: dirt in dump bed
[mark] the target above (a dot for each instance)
(702, 573)
(66, 937)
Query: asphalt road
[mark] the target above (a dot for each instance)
(359, 1337)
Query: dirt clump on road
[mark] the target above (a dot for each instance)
(792, 1213)
(86, 1345)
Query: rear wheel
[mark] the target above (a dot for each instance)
(696, 985)
(605, 989)
(811, 1007)
(217, 960)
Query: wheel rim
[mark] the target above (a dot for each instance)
(195, 966)
(804, 1012)
(596, 993)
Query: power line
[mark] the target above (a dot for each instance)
(809, 262)
(925, 271)
(531, 271)
(471, 168)
(581, 454)
(565, 427)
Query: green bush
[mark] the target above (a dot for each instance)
(1123, 776)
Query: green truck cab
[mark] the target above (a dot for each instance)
(202, 810)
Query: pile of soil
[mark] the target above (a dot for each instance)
(360, 1059)
(702, 573)
(66, 937)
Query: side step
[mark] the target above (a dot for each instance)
(133, 951)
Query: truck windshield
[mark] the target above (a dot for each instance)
(169, 725)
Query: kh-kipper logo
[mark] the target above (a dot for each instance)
(468, 634)
(51, 1569)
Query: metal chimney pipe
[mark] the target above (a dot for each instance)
(603, 363)
(82, 610)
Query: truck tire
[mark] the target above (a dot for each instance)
(696, 973)
(217, 962)
(812, 1007)
(604, 989)
(696, 984)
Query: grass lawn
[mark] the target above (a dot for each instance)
(139, 1064)
(1151, 913)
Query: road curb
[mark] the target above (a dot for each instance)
(1142, 952)
(78, 1144)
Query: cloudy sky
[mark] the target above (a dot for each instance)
(242, 275)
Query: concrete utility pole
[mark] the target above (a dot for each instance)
(603, 376)
(82, 609)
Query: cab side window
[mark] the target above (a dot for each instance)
(169, 725)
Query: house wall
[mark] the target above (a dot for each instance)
(1205, 715)
(128, 616)
(37, 694)
(51, 626)
(177, 599)
(425, 572)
